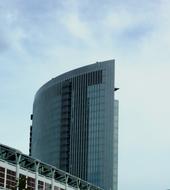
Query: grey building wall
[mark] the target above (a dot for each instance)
(115, 145)
(73, 124)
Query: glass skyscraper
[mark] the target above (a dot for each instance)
(75, 124)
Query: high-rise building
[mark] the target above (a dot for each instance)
(75, 124)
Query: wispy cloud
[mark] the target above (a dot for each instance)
(40, 39)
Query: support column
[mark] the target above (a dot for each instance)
(5, 178)
(52, 179)
(66, 185)
(18, 158)
(36, 175)
(78, 184)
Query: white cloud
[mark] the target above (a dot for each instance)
(120, 20)
(41, 48)
(76, 27)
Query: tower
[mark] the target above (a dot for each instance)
(74, 124)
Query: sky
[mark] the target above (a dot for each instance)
(41, 39)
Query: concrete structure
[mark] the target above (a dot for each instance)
(73, 125)
(39, 176)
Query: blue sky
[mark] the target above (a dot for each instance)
(42, 39)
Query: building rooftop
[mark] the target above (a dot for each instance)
(14, 157)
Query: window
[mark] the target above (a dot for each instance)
(2, 176)
(47, 186)
(41, 185)
(31, 183)
(10, 179)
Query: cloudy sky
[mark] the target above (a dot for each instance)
(41, 39)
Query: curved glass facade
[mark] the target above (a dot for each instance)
(73, 124)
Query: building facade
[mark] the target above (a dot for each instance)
(74, 126)
(19, 171)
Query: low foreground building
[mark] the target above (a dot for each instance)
(16, 166)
